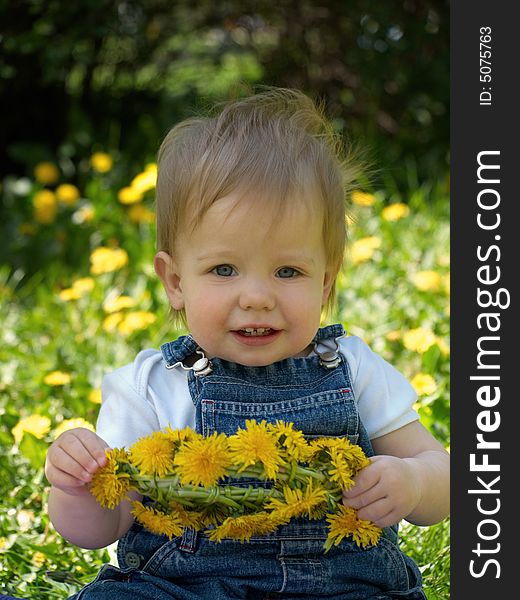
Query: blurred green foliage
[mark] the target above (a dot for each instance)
(119, 73)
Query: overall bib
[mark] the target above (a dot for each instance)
(315, 393)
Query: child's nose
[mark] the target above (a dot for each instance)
(256, 294)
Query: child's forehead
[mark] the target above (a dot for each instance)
(271, 207)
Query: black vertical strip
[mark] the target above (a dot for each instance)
(485, 250)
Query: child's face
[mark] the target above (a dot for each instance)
(252, 288)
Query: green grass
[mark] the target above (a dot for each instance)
(378, 299)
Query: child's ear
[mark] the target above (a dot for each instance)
(328, 282)
(168, 272)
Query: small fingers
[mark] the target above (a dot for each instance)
(62, 480)
(93, 443)
(79, 469)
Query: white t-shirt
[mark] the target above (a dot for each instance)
(144, 396)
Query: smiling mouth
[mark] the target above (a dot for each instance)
(256, 332)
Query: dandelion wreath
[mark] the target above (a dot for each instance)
(187, 476)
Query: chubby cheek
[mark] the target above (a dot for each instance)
(206, 315)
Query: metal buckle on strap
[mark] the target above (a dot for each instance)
(329, 359)
(200, 367)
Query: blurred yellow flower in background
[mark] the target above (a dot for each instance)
(79, 288)
(423, 384)
(111, 322)
(57, 378)
(46, 173)
(362, 198)
(95, 396)
(101, 162)
(45, 206)
(129, 195)
(106, 260)
(394, 212)
(39, 558)
(68, 294)
(68, 424)
(146, 180)
(133, 321)
(140, 214)
(115, 304)
(38, 425)
(427, 281)
(67, 194)
(419, 339)
(363, 249)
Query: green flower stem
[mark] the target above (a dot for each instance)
(169, 488)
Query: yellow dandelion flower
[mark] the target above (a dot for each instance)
(419, 339)
(156, 521)
(115, 304)
(69, 294)
(256, 444)
(423, 384)
(46, 173)
(185, 517)
(94, 396)
(242, 528)
(57, 378)
(292, 441)
(203, 461)
(145, 181)
(68, 424)
(362, 198)
(443, 346)
(38, 425)
(111, 322)
(45, 206)
(345, 523)
(67, 194)
(336, 450)
(109, 485)
(427, 281)
(106, 260)
(178, 436)
(136, 320)
(363, 249)
(101, 162)
(342, 470)
(138, 213)
(394, 212)
(83, 285)
(39, 558)
(153, 455)
(129, 195)
(297, 502)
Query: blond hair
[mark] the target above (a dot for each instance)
(277, 144)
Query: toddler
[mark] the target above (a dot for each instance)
(251, 236)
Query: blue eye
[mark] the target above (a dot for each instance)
(287, 272)
(223, 270)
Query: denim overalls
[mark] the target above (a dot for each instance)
(315, 393)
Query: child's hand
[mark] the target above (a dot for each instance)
(72, 460)
(385, 492)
